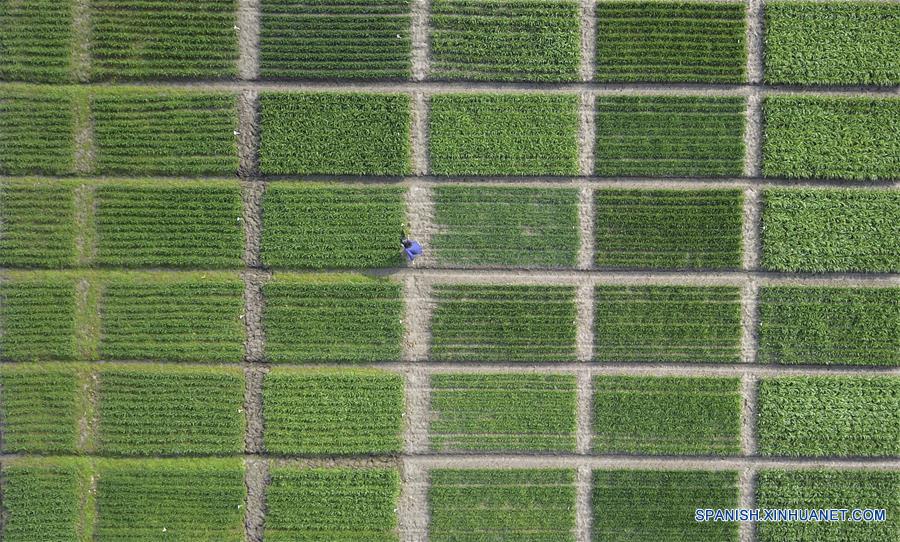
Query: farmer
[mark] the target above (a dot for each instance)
(410, 248)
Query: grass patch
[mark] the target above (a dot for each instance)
(37, 315)
(672, 42)
(499, 226)
(670, 136)
(507, 504)
(502, 412)
(320, 318)
(37, 40)
(318, 412)
(829, 416)
(830, 230)
(170, 410)
(824, 489)
(37, 130)
(668, 324)
(839, 43)
(148, 39)
(167, 132)
(350, 505)
(332, 226)
(332, 39)
(38, 223)
(503, 134)
(668, 229)
(503, 323)
(39, 408)
(635, 415)
(334, 133)
(847, 326)
(499, 40)
(649, 506)
(831, 137)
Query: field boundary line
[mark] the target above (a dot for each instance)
(412, 514)
(81, 38)
(248, 134)
(256, 480)
(419, 134)
(583, 512)
(588, 39)
(737, 463)
(248, 23)
(755, 41)
(420, 34)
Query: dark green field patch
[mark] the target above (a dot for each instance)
(39, 408)
(37, 130)
(37, 315)
(36, 39)
(38, 224)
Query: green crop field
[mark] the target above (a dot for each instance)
(669, 136)
(37, 127)
(823, 489)
(36, 39)
(498, 226)
(173, 317)
(37, 316)
(503, 134)
(195, 500)
(650, 506)
(503, 323)
(332, 39)
(668, 229)
(305, 322)
(169, 132)
(502, 412)
(674, 42)
(829, 416)
(831, 230)
(673, 324)
(834, 43)
(635, 415)
(847, 326)
(829, 137)
(38, 223)
(502, 40)
(334, 133)
(349, 505)
(148, 39)
(330, 412)
(174, 224)
(332, 226)
(39, 408)
(45, 499)
(170, 410)
(502, 504)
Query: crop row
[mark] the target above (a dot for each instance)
(524, 40)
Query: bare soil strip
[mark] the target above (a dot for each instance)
(586, 224)
(248, 39)
(252, 193)
(88, 420)
(420, 216)
(87, 318)
(647, 462)
(379, 461)
(84, 134)
(413, 505)
(585, 396)
(586, 134)
(256, 478)
(588, 39)
(753, 136)
(583, 512)
(747, 499)
(421, 50)
(248, 133)
(755, 40)
(418, 407)
(752, 240)
(253, 408)
(584, 323)
(749, 394)
(417, 320)
(419, 134)
(85, 213)
(81, 33)
(749, 322)
(254, 346)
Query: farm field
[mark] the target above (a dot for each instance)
(660, 269)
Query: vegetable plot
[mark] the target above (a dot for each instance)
(39, 406)
(37, 40)
(36, 130)
(38, 223)
(37, 315)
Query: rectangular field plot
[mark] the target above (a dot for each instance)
(831, 230)
(834, 43)
(148, 39)
(332, 318)
(675, 42)
(169, 224)
(824, 489)
(502, 412)
(667, 415)
(350, 505)
(503, 134)
(503, 323)
(498, 226)
(829, 416)
(37, 315)
(167, 132)
(37, 40)
(334, 133)
(502, 504)
(44, 499)
(319, 412)
(38, 223)
(651, 506)
(37, 130)
(847, 326)
(333, 39)
(670, 324)
(670, 136)
(173, 317)
(668, 229)
(828, 137)
(332, 226)
(150, 410)
(499, 40)
(198, 500)
(40, 408)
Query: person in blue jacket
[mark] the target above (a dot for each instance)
(410, 248)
